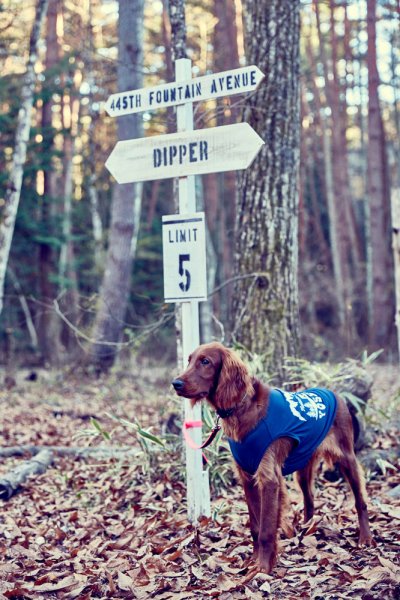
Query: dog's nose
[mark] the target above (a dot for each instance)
(178, 384)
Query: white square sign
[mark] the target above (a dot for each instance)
(184, 253)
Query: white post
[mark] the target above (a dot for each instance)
(198, 495)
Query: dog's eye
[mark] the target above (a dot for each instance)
(205, 361)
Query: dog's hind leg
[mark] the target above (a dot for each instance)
(341, 450)
(352, 471)
(305, 478)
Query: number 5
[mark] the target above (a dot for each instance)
(184, 272)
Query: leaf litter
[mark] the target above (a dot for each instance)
(116, 528)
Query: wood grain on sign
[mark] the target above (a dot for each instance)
(184, 257)
(226, 148)
(226, 83)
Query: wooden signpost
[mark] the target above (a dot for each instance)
(185, 154)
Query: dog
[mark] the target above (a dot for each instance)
(272, 433)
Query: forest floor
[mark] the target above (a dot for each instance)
(117, 527)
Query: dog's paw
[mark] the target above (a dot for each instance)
(265, 565)
(365, 539)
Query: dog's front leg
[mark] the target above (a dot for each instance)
(253, 500)
(271, 487)
(268, 485)
(269, 517)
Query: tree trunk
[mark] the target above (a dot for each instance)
(97, 224)
(114, 293)
(13, 191)
(266, 296)
(334, 228)
(176, 11)
(395, 201)
(311, 156)
(168, 184)
(226, 56)
(336, 178)
(68, 276)
(380, 271)
(340, 153)
(211, 200)
(49, 326)
(206, 308)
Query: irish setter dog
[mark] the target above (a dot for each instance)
(245, 405)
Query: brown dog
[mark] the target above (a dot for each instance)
(272, 433)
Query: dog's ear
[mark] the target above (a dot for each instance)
(234, 380)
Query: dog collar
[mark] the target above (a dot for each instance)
(225, 413)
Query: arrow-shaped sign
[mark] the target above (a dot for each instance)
(213, 150)
(226, 83)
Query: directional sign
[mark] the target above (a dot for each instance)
(226, 83)
(196, 152)
(184, 257)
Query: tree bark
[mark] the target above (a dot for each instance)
(312, 158)
(226, 56)
(339, 147)
(67, 271)
(266, 305)
(336, 178)
(13, 192)
(97, 224)
(48, 325)
(395, 201)
(176, 12)
(380, 268)
(177, 19)
(115, 287)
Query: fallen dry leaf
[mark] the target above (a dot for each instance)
(61, 584)
(117, 529)
(125, 582)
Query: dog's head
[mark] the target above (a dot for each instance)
(216, 373)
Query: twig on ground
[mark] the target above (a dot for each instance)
(77, 451)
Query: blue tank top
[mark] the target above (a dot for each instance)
(306, 417)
